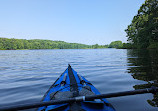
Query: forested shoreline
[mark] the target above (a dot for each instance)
(142, 33)
(15, 44)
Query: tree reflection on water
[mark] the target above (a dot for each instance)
(143, 65)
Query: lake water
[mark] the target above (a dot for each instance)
(25, 75)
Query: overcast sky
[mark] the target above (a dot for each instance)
(79, 21)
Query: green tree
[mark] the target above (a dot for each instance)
(1, 46)
(143, 30)
(115, 44)
(95, 46)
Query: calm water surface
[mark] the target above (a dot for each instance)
(25, 75)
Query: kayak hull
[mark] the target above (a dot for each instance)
(69, 85)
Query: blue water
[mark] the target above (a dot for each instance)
(25, 75)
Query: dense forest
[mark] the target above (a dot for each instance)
(143, 30)
(14, 44)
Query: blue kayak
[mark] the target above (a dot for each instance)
(69, 85)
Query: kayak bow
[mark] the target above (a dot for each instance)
(72, 85)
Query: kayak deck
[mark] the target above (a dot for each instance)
(69, 85)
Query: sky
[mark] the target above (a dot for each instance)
(76, 21)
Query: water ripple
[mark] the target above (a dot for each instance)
(27, 74)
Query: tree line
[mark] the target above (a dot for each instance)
(15, 44)
(143, 30)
